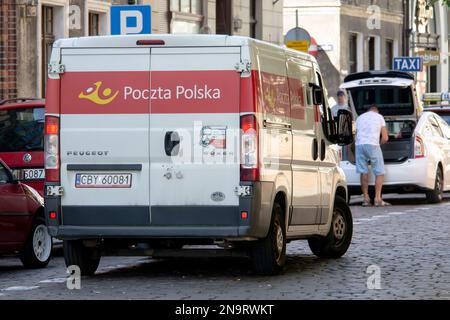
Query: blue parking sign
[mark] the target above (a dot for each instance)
(408, 64)
(131, 19)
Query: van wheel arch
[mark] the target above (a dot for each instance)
(341, 192)
(281, 200)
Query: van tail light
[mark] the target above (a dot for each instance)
(419, 148)
(249, 148)
(51, 153)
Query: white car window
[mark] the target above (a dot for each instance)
(435, 130)
(444, 127)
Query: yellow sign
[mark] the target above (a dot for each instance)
(430, 57)
(300, 45)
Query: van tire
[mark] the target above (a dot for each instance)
(269, 254)
(87, 259)
(37, 251)
(436, 195)
(338, 240)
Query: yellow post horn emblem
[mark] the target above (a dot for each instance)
(92, 94)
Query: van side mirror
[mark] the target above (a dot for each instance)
(344, 125)
(317, 94)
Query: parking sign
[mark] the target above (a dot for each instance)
(131, 19)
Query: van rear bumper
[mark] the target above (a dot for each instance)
(77, 232)
(205, 222)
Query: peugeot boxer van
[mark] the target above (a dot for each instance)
(155, 143)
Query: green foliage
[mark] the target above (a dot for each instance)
(444, 2)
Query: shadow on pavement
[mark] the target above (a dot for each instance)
(210, 268)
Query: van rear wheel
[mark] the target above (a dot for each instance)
(87, 259)
(269, 254)
(436, 195)
(338, 240)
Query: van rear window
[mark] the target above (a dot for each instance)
(391, 101)
(22, 130)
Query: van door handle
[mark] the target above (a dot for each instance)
(172, 143)
(323, 150)
(315, 150)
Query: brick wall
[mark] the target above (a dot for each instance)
(8, 49)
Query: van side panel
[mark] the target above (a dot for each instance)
(305, 189)
(273, 107)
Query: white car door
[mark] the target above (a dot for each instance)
(445, 128)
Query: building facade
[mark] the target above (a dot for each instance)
(363, 35)
(428, 37)
(358, 35)
(28, 29)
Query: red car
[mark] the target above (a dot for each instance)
(21, 139)
(22, 222)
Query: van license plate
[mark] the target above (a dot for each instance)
(83, 180)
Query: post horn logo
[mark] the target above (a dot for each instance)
(92, 94)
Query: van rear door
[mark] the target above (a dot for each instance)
(194, 135)
(104, 136)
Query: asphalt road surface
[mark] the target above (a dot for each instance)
(398, 252)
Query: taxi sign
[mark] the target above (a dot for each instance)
(408, 64)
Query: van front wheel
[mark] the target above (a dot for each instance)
(87, 259)
(336, 243)
(269, 254)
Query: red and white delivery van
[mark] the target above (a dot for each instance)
(159, 141)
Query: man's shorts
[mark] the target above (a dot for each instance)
(366, 153)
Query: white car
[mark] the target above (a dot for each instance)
(417, 156)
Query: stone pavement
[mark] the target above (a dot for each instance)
(408, 243)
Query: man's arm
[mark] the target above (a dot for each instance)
(384, 135)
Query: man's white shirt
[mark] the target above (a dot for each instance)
(368, 128)
(337, 107)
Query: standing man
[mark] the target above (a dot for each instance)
(369, 126)
(341, 105)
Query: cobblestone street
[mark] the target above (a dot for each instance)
(408, 242)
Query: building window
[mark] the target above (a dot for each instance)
(432, 79)
(48, 37)
(352, 53)
(187, 6)
(389, 54)
(253, 20)
(186, 16)
(223, 17)
(371, 48)
(94, 25)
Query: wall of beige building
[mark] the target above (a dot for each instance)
(71, 19)
(269, 18)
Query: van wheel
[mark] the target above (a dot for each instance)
(269, 254)
(436, 195)
(38, 248)
(87, 259)
(336, 243)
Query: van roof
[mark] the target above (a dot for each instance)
(170, 40)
